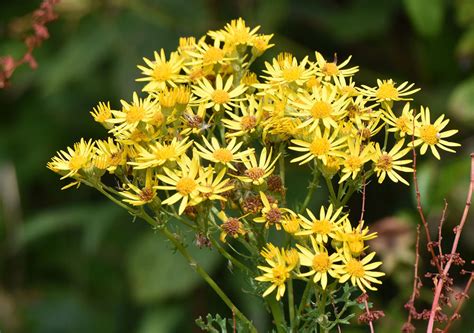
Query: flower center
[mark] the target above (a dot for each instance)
(385, 162)
(273, 216)
(353, 163)
(162, 72)
(355, 268)
(319, 146)
(387, 91)
(223, 155)
(220, 96)
(356, 247)
(212, 55)
(292, 73)
(231, 226)
(135, 114)
(255, 173)
(146, 194)
(330, 69)
(321, 109)
(77, 162)
(322, 227)
(429, 134)
(166, 153)
(280, 274)
(186, 185)
(321, 262)
(403, 124)
(248, 122)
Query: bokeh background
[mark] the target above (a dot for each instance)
(70, 261)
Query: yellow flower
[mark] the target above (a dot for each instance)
(352, 239)
(214, 186)
(230, 226)
(246, 123)
(221, 95)
(287, 71)
(225, 155)
(355, 158)
(257, 172)
(277, 272)
(431, 135)
(324, 227)
(330, 70)
(360, 272)
(157, 154)
(109, 155)
(161, 72)
(321, 147)
(291, 222)
(206, 55)
(131, 115)
(260, 44)
(320, 262)
(187, 181)
(235, 33)
(271, 213)
(388, 163)
(324, 106)
(137, 196)
(69, 163)
(101, 113)
(388, 91)
(403, 124)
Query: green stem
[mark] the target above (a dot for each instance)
(303, 302)
(291, 305)
(322, 307)
(277, 314)
(229, 257)
(311, 188)
(332, 193)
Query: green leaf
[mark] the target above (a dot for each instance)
(461, 102)
(426, 15)
(157, 273)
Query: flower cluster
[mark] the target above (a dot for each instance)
(207, 142)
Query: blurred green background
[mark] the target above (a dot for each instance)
(70, 261)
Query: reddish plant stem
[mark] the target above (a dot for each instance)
(420, 207)
(441, 278)
(455, 315)
(415, 277)
(440, 228)
(362, 210)
(371, 325)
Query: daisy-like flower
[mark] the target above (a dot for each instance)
(208, 55)
(138, 196)
(403, 124)
(230, 226)
(319, 261)
(355, 158)
(246, 123)
(109, 155)
(101, 113)
(260, 44)
(360, 272)
(431, 135)
(256, 172)
(388, 163)
(326, 226)
(69, 163)
(277, 272)
(161, 73)
(321, 147)
(225, 155)
(219, 96)
(214, 184)
(287, 71)
(387, 91)
(157, 154)
(330, 70)
(324, 106)
(186, 180)
(271, 213)
(353, 238)
(140, 110)
(235, 33)
(345, 87)
(291, 222)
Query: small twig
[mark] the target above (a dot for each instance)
(416, 279)
(441, 278)
(371, 325)
(456, 315)
(440, 228)
(362, 210)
